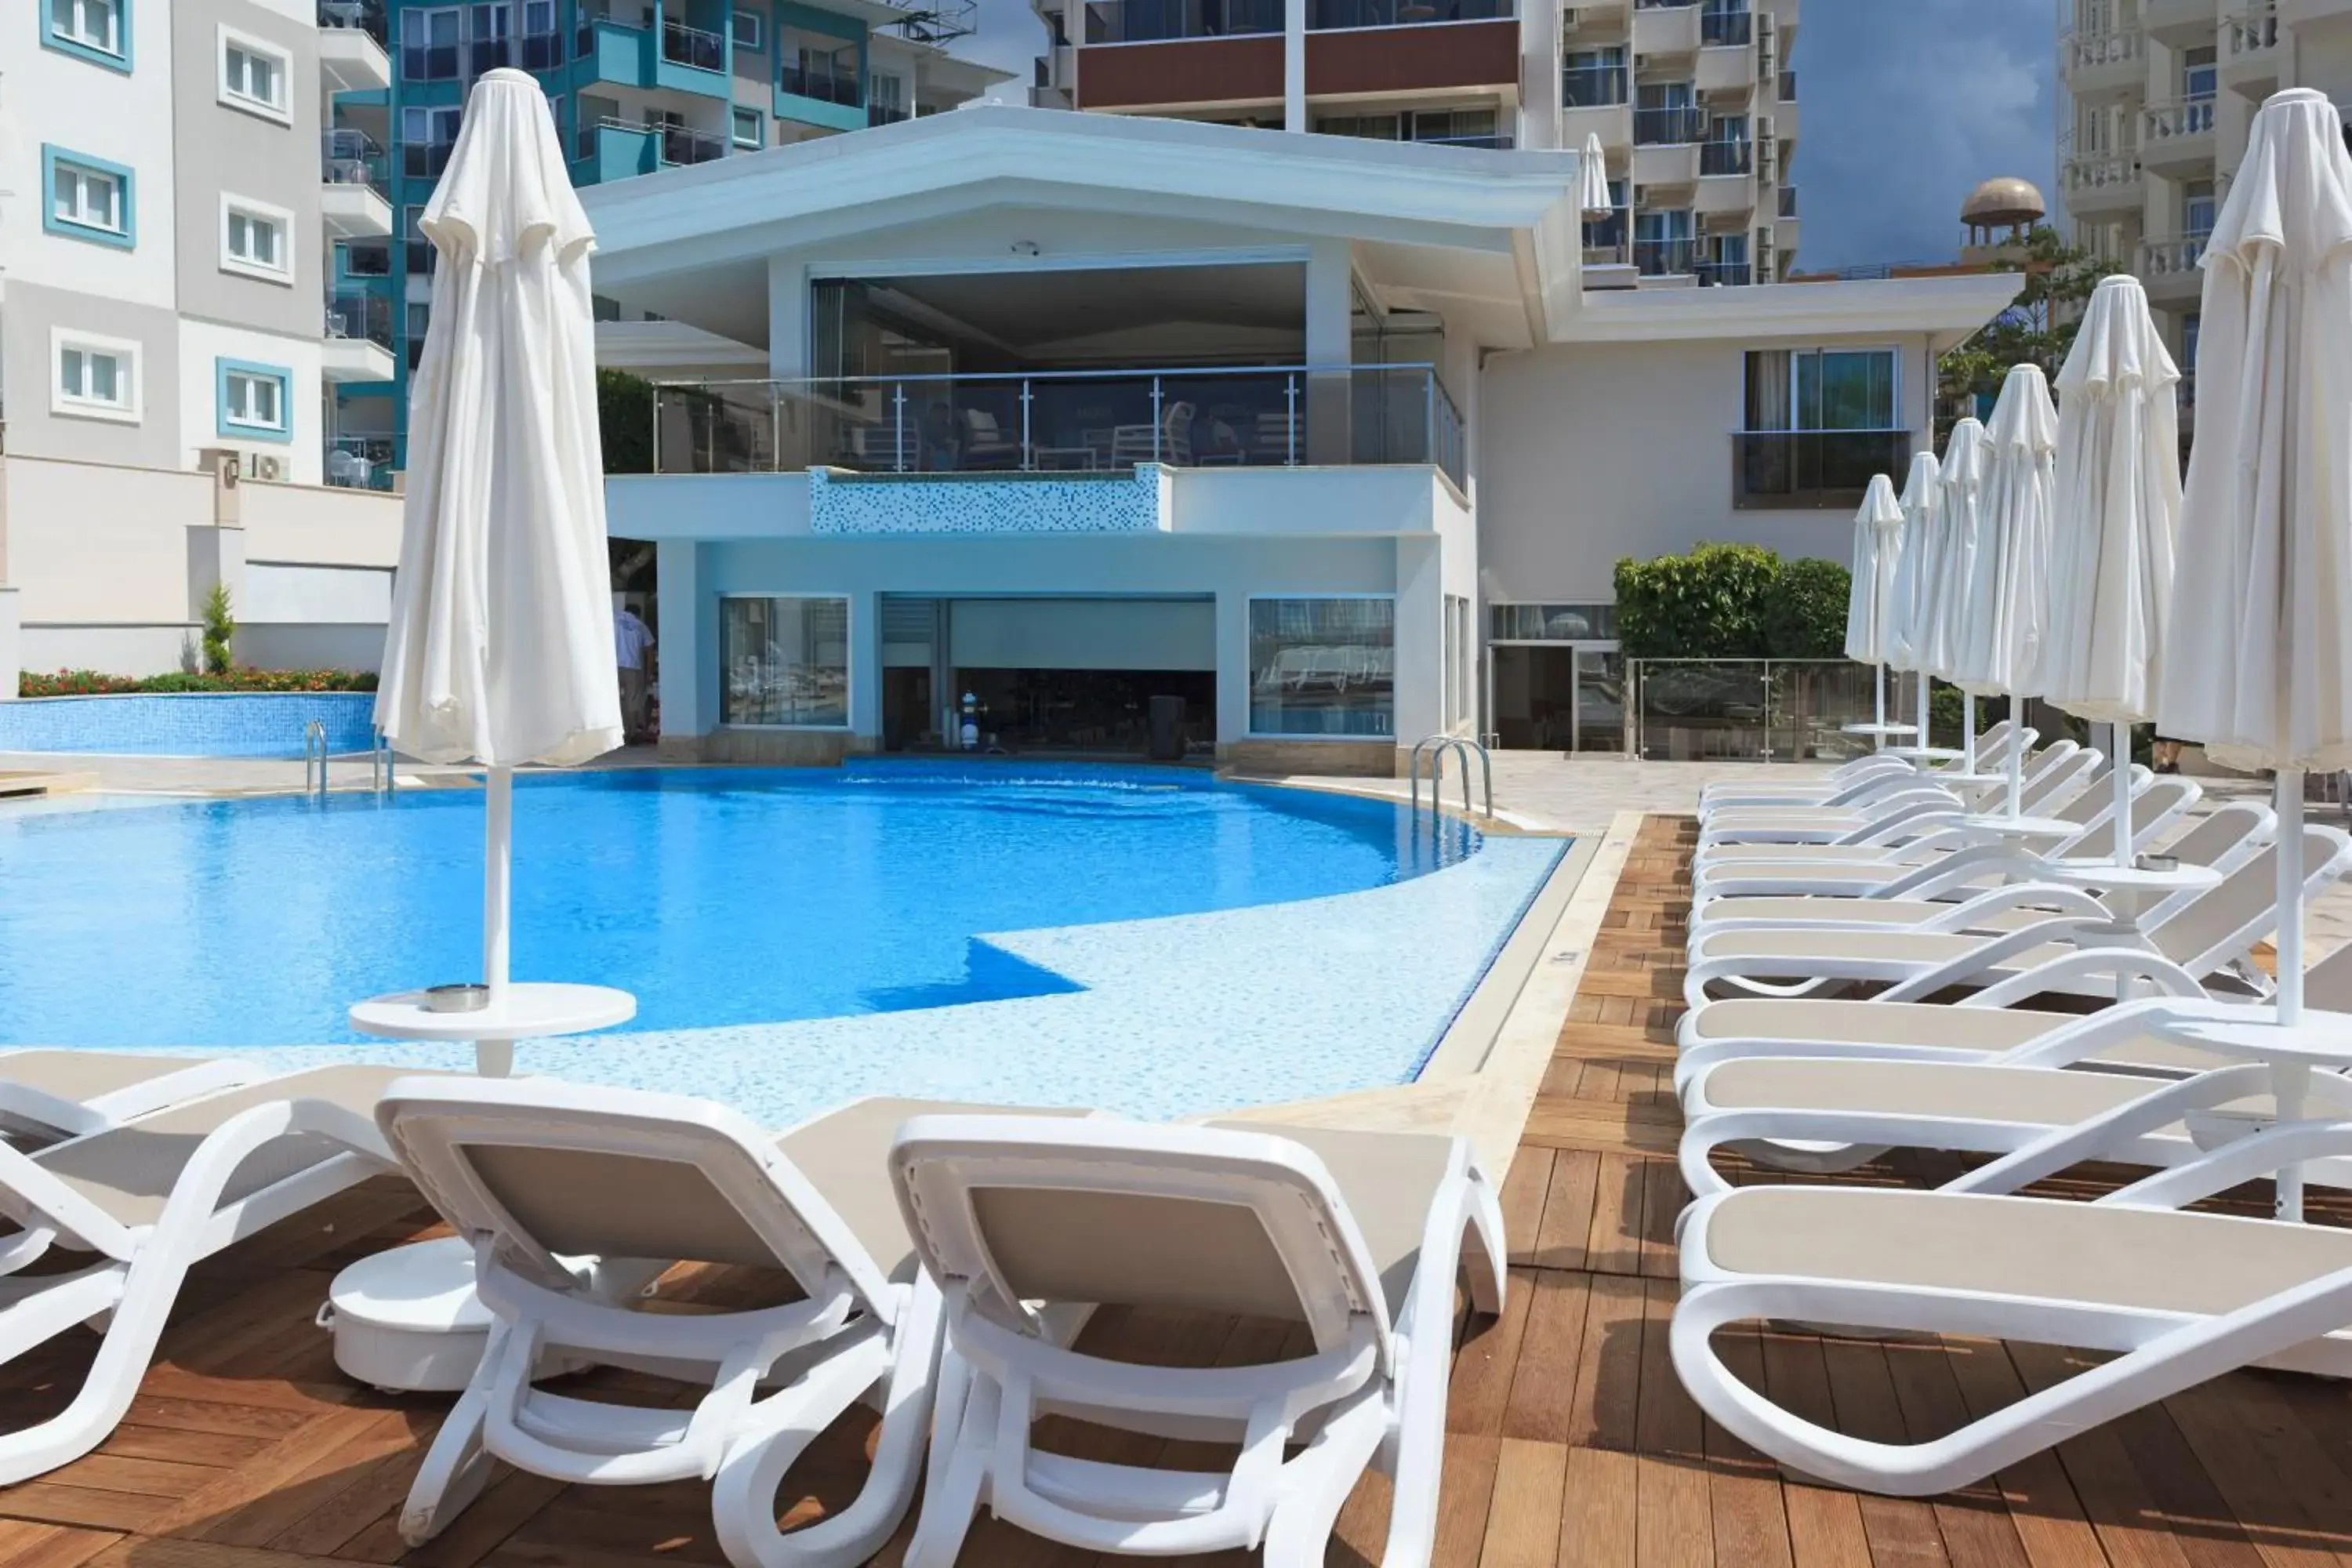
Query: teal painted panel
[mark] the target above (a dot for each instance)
(817, 111)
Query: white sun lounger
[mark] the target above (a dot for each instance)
(1356, 1234)
(1949, 897)
(1992, 753)
(48, 1093)
(571, 1194)
(2182, 1297)
(2058, 775)
(2199, 940)
(1952, 856)
(150, 1198)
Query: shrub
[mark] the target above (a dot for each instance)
(219, 627)
(1804, 613)
(1731, 601)
(92, 683)
(1705, 605)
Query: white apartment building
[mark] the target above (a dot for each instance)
(2158, 98)
(1338, 441)
(1694, 101)
(165, 343)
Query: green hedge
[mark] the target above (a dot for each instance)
(1731, 601)
(91, 683)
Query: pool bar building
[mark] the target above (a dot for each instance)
(988, 428)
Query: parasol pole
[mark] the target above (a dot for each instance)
(2016, 753)
(2290, 1079)
(495, 1059)
(1878, 673)
(2119, 763)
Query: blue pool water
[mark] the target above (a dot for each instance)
(719, 897)
(189, 724)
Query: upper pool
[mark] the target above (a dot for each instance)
(717, 896)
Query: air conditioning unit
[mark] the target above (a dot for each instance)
(1569, 19)
(266, 466)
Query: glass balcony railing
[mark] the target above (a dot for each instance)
(362, 15)
(367, 258)
(1154, 21)
(359, 462)
(1788, 207)
(1325, 15)
(1592, 87)
(348, 158)
(1812, 469)
(1724, 274)
(425, 159)
(1669, 127)
(1062, 422)
(365, 316)
(1725, 28)
(684, 46)
(1787, 92)
(1665, 257)
(1726, 158)
(684, 144)
(885, 114)
(826, 84)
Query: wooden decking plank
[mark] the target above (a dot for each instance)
(1862, 1391)
(1522, 1202)
(1599, 1527)
(25, 1545)
(1967, 1380)
(1523, 1517)
(1750, 1521)
(1465, 1497)
(1541, 1396)
(48, 1503)
(2113, 1494)
(1480, 1392)
(335, 1468)
(1614, 1243)
(1565, 1228)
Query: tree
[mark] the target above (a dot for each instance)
(1731, 601)
(625, 415)
(220, 626)
(2039, 328)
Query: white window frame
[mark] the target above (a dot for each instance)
(118, 50)
(757, 43)
(128, 411)
(80, 173)
(229, 419)
(233, 205)
(281, 113)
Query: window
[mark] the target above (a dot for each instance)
(784, 661)
(253, 75)
(1322, 666)
(1819, 423)
(1593, 78)
(1551, 623)
(96, 378)
(87, 198)
(2197, 207)
(428, 43)
(750, 33)
(255, 400)
(2198, 73)
(418, 321)
(253, 239)
(98, 31)
(751, 129)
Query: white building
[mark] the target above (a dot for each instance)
(165, 343)
(1326, 437)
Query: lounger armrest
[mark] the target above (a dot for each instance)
(1961, 970)
(2139, 965)
(2021, 896)
(1957, 869)
(36, 1195)
(2253, 1158)
(2108, 1133)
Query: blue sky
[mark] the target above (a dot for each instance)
(1908, 104)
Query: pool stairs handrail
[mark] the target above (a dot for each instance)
(1437, 746)
(315, 755)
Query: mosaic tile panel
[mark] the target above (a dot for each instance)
(1109, 502)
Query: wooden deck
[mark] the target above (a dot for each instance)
(1571, 1442)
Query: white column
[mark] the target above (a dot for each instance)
(1232, 666)
(11, 643)
(1539, 112)
(1330, 291)
(788, 321)
(1420, 640)
(1293, 64)
(864, 672)
(684, 650)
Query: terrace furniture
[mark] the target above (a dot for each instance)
(2205, 939)
(1067, 459)
(1992, 750)
(2181, 1297)
(571, 1196)
(2059, 773)
(986, 445)
(1169, 441)
(147, 1199)
(45, 1095)
(1356, 1236)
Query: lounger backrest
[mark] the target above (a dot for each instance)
(2215, 926)
(540, 1170)
(1028, 1211)
(2059, 774)
(2218, 840)
(2089, 806)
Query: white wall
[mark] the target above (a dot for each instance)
(202, 344)
(1590, 452)
(330, 595)
(1083, 634)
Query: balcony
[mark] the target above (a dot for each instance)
(364, 263)
(425, 159)
(351, 47)
(357, 342)
(2168, 266)
(1723, 74)
(1592, 87)
(2183, 23)
(2103, 183)
(823, 83)
(1724, 274)
(1162, 21)
(359, 462)
(2177, 137)
(611, 149)
(1725, 30)
(1328, 15)
(1812, 470)
(691, 46)
(2249, 50)
(1063, 423)
(1786, 90)
(614, 48)
(1788, 206)
(1726, 157)
(681, 144)
(885, 114)
(1676, 127)
(1662, 28)
(2097, 64)
(352, 176)
(1665, 258)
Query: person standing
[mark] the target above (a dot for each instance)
(631, 641)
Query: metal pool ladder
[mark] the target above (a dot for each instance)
(314, 759)
(1437, 746)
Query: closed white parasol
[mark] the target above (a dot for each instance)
(500, 646)
(2006, 600)
(1960, 507)
(1871, 603)
(1915, 573)
(2259, 667)
(1593, 178)
(2117, 510)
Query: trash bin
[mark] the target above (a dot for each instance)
(1168, 728)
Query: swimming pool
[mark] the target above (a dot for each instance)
(758, 913)
(189, 724)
